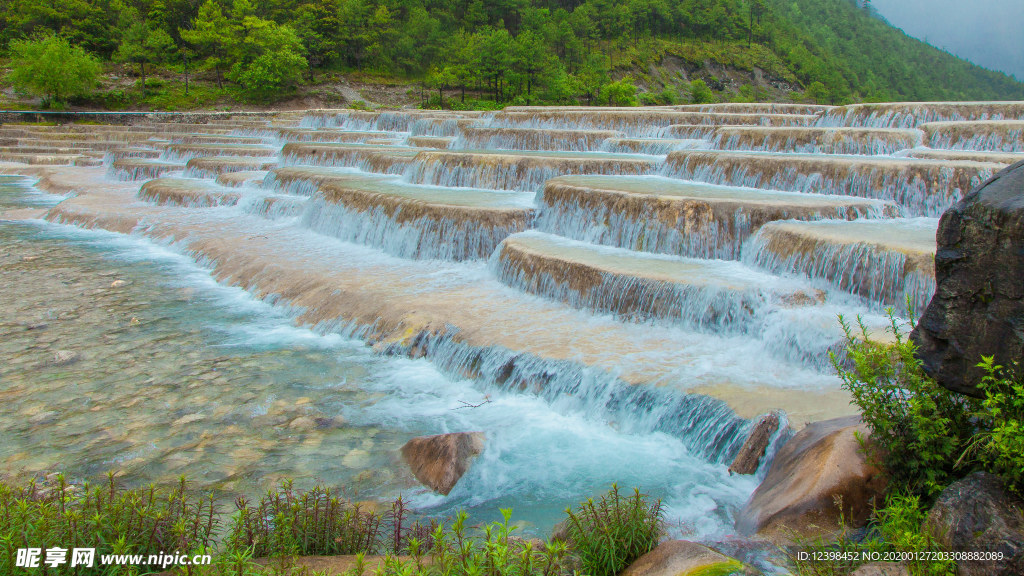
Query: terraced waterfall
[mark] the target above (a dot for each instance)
(611, 295)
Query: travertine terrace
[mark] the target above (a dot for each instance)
(700, 251)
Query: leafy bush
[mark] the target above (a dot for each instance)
(114, 521)
(1002, 446)
(315, 522)
(700, 93)
(621, 93)
(898, 527)
(454, 553)
(609, 534)
(918, 428)
(52, 68)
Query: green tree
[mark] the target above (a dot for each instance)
(700, 93)
(621, 93)
(268, 60)
(52, 68)
(141, 44)
(212, 35)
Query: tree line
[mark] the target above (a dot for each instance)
(522, 51)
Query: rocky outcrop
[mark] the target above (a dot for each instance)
(682, 558)
(819, 469)
(978, 307)
(750, 454)
(440, 461)
(976, 514)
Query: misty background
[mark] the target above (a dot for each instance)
(989, 33)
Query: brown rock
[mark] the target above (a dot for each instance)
(681, 558)
(976, 514)
(750, 454)
(978, 307)
(439, 461)
(820, 466)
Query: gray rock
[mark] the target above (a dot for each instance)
(978, 307)
(65, 357)
(440, 461)
(750, 454)
(976, 514)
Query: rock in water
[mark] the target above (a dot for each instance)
(750, 454)
(439, 461)
(978, 307)
(821, 465)
(65, 357)
(976, 514)
(681, 557)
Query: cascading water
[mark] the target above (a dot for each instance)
(599, 323)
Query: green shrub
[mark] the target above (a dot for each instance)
(609, 534)
(918, 428)
(314, 522)
(896, 528)
(52, 68)
(700, 93)
(1002, 446)
(113, 521)
(452, 552)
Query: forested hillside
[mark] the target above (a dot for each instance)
(502, 51)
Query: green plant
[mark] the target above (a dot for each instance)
(610, 533)
(451, 551)
(113, 521)
(52, 68)
(700, 93)
(918, 428)
(1002, 446)
(313, 522)
(895, 528)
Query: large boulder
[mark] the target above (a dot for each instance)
(821, 467)
(682, 558)
(440, 461)
(749, 457)
(978, 307)
(976, 514)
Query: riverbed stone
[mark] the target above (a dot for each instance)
(750, 454)
(65, 357)
(682, 558)
(978, 306)
(822, 467)
(977, 514)
(440, 461)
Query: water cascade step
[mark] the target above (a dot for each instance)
(993, 135)
(519, 170)
(533, 139)
(141, 168)
(702, 294)
(817, 140)
(885, 261)
(913, 114)
(416, 221)
(670, 216)
(243, 178)
(212, 166)
(1005, 158)
(188, 192)
(185, 152)
(923, 187)
(371, 158)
